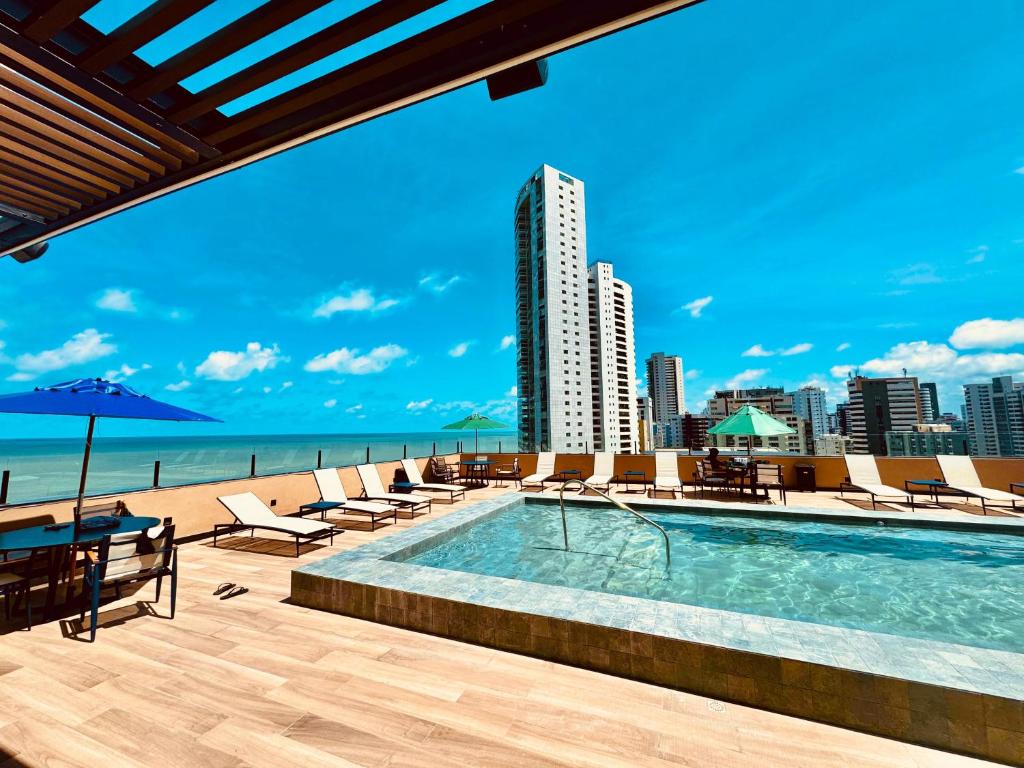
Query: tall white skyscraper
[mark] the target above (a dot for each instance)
(665, 386)
(552, 315)
(612, 360)
(809, 405)
(576, 371)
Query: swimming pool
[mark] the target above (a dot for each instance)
(952, 586)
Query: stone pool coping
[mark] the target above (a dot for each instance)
(986, 686)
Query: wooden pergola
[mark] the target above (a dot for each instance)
(87, 128)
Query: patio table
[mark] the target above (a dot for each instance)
(477, 468)
(55, 538)
(931, 487)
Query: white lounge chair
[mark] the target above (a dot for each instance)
(961, 476)
(412, 472)
(666, 472)
(333, 492)
(373, 489)
(604, 470)
(545, 469)
(251, 513)
(864, 477)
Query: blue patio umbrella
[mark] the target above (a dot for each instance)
(94, 398)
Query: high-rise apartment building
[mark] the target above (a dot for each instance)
(686, 430)
(883, 405)
(842, 418)
(995, 417)
(612, 360)
(665, 386)
(576, 359)
(809, 405)
(929, 402)
(645, 423)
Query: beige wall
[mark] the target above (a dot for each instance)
(829, 470)
(195, 508)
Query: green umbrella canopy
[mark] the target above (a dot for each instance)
(751, 421)
(476, 422)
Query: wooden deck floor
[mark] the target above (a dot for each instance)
(255, 681)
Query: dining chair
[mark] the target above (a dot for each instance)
(17, 583)
(705, 476)
(510, 472)
(128, 558)
(768, 476)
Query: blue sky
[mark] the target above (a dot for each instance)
(839, 182)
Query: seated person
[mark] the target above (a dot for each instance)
(718, 465)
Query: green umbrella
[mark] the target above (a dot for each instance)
(476, 422)
(750, 421)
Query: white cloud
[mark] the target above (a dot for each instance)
(757, 351)
(1020, 170)
(179, 386)
(508, 341)
(238, 390)
(355, 300)
(937, 361)
(267, 390)
(691, 374)
(987, 333)
(117, 300)
(513, 391)
(287, 385)
(125, 372)
(418, 405)
(697, 306)
(978, 254)
(459, 349)
(843, 347)
(743, 378)
(797, 349)
(354, 408)
(915, 274)
(330, 403)
(437, 283)
(347, 360)
(81, 348)
(233, 366)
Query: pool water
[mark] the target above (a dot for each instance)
(951, 586)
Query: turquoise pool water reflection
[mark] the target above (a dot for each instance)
(951, 586)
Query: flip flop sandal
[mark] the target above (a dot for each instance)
(223, 588)
(235, 592)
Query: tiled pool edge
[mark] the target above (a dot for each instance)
(363, 584)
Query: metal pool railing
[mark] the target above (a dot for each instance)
(586, 486)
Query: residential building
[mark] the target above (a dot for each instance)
(882, 405)
(842, 419)
(995, 417)
(552, 315)
(612, 360)
(926, 440)
(686, 430)
(832, 445)
(809, 405)
(929, 402)
(665, 385)
(645, 423)
(576, 364)
(771, 400)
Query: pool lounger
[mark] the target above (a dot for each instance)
(666, 472)
(412, 472)
(251, 513)
(332, 491)
(373, 489)
(545, 469)
(864, 477)
(604, 470)
(961, 476)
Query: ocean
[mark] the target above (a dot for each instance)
(47, 469)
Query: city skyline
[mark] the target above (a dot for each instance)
(295, 297)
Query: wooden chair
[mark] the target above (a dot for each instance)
(16, 582)
(510, 472)
(91, 512)
(444, 471)
(768, 476)
(128, 558)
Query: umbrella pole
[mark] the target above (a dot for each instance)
(476, 441)
(85, 466)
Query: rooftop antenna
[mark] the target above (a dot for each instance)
(904, 373)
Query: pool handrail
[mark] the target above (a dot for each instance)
(586, 486)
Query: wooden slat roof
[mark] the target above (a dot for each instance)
(88, 128)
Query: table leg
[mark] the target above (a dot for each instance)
(53, 567)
